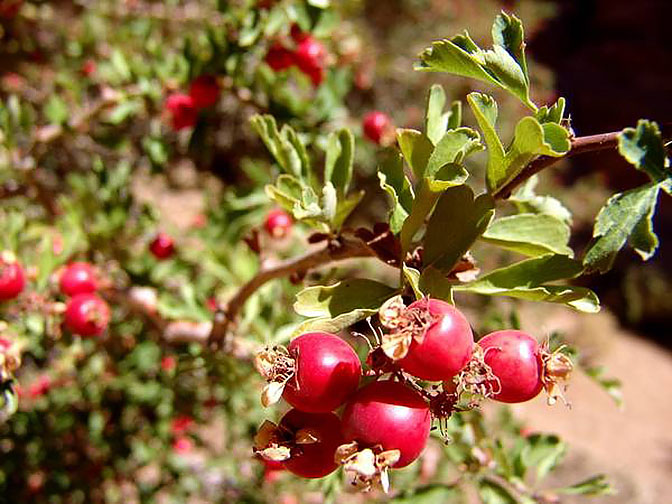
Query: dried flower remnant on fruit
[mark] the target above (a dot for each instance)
(477, 378)
(367, 469)
(557, 369)
(277, 367)
(270, 443)
(404, 325)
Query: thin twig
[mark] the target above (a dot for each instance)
(336, 250)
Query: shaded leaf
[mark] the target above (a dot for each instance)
(492, 492)
(484, 108)
(454, 146)
(530, 234)
(527, 201)
(339, 160)
(458, 220)
(597, 485)
(643, 147)
(527, 279)
(435, 285)
(542, 452)
(626, 217)
(393, 180)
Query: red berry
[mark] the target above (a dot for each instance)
(377, 126)
(88, 67)
(204, 91)
(278, 223)
(87, 315)
(12, 278)
(310, 55)
(78, 278)
(4, 344)
(447, 345)
(181, 425)
(313, 460)
(10, 8)
(163, 246)
(515, 360)
(389, 414)
(168, 363)
(297, 34)
(182, 111)
(327, 372)
(183, 445)
(279, 58)
(40, 386)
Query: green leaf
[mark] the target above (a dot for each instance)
(412, 276)
(541, 451)
(454, 146)
(643, 147)
(626, 217)
(120, 65)
(531, 140)
(393, 180)
(285, 145)
(450, 175)
(345, 206)
(458, 220)
(503, 66)
(423, 204)
(436, 120)
(527, 279)
(416, 148)
(342, 304)
(298, 198)
(430, 494)
(530, 234)
(527, 201)
(339, 160)
(552, 114)
(612, 386)
(484, 108)
(435, 284)
(56, 110)
(596, 485)
(492, 492)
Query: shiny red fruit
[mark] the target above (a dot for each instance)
(447, 345)
(182, 111)
(78, 278)
(327, 372)
(278, 223)
(389, 414)
(314, 460)
(162, 246)
(310, 55)
(376, 126)
(204, 91)
(87, 315)
(12, 277)
(279, 58)
(514, 359)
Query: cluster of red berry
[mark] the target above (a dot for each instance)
(307, 53)
(183, 108)
(86, 313)
(386, 423)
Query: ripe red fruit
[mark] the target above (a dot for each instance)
(313, 460)
(310, 57)
(162, 246)
(327, 372)
(183, 445)
(447, 345)
(204, 91)
(377, 126)
(389, 414)
(515, 360)
(278, 223)
(12, 277)
(182, 111)
(87, 315)
(78, 278)
(88, 67)
(279, 58)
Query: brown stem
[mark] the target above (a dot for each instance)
(336, 250)
(580, 145)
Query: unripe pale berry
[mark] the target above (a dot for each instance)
(78, 278)
(87, 315)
